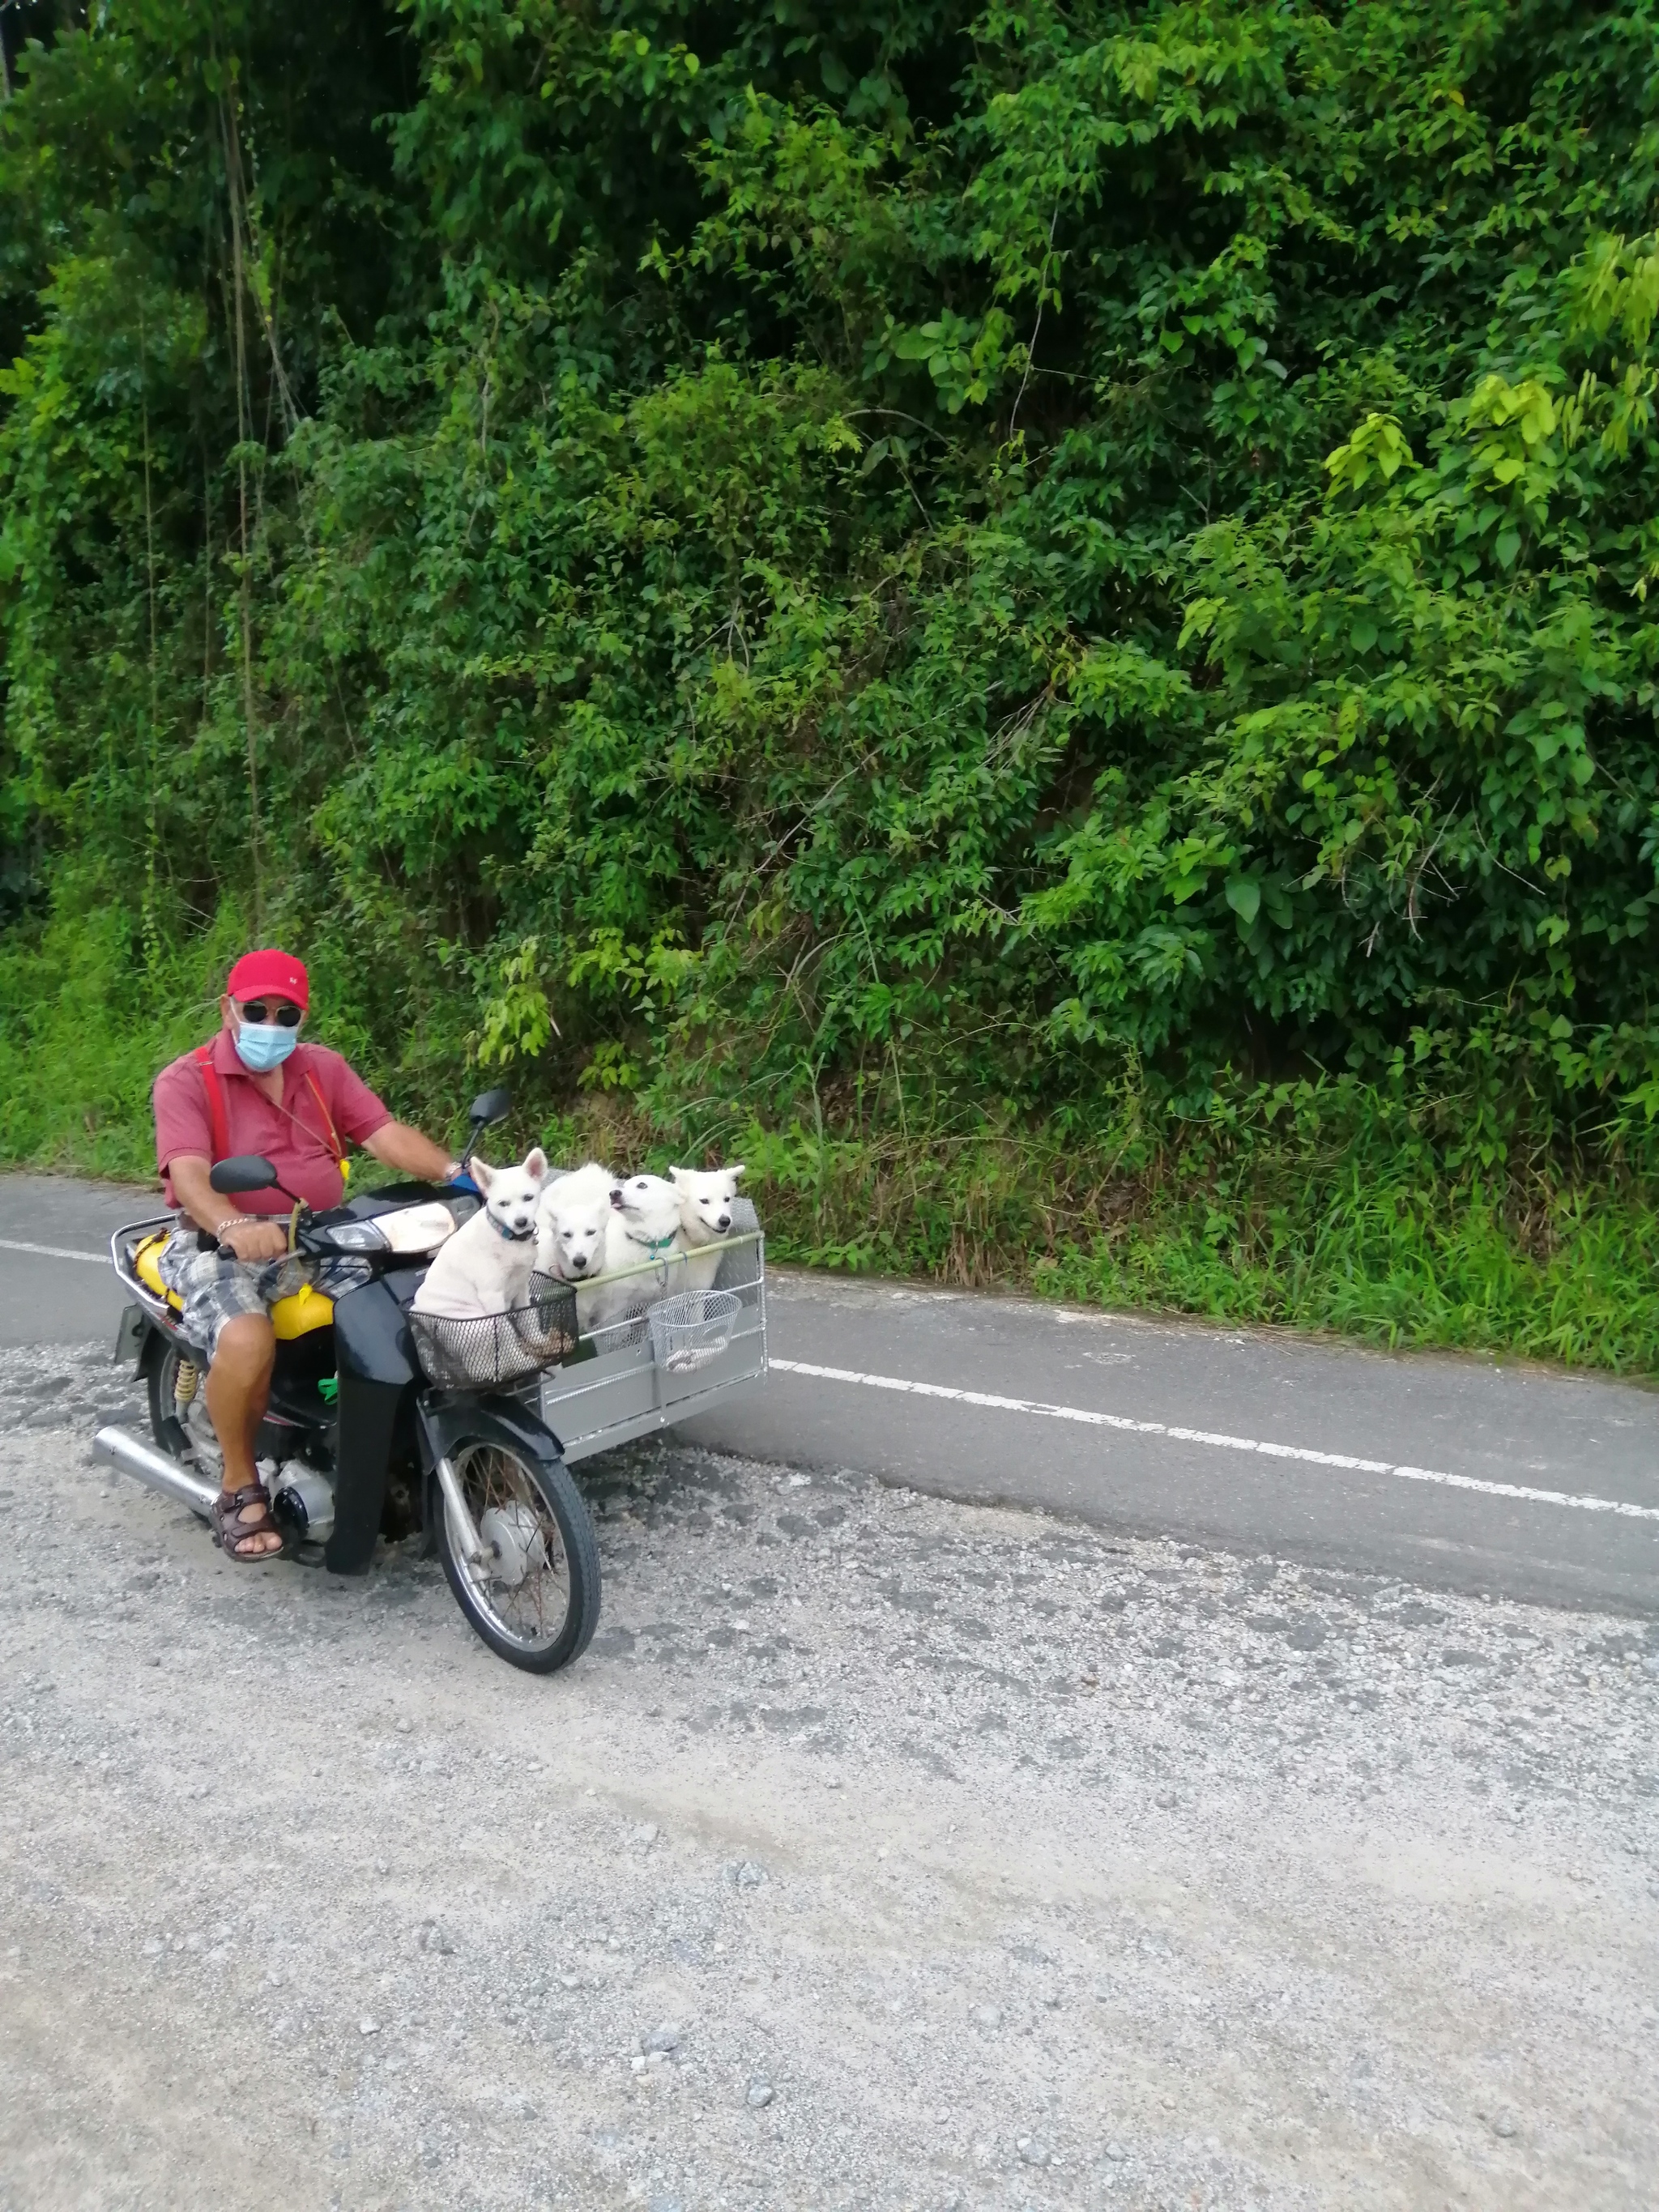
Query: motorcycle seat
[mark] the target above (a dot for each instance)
(307, 1309)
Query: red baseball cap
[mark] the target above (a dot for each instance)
(256, 973)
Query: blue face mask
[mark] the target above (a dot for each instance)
(264, 1045)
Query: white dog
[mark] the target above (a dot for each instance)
(705, 1200)
(645, 1223)
(572, 1222)
(485, 1266)
(644, 1226)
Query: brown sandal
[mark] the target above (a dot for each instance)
(230, 1529)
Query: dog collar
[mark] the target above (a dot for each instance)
(653, 1245)
(509, 1236)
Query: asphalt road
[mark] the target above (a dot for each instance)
(1464, 1474)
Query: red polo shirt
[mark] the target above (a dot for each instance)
(292, 1136)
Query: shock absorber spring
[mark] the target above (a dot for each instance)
(184, 1382)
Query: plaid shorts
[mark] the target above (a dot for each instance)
(216, 1288)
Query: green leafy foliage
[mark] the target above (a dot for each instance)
(902, 573)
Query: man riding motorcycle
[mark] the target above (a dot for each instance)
(257, 1087)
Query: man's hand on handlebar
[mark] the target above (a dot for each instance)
(255, 1241)
(252, 1238)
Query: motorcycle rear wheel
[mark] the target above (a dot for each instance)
(534, 1598)
(185, 1439)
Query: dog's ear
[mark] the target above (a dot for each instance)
(536, 1164)
(738, 1172)
(482, 1173)
(678, 1176)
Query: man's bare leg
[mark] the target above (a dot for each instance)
(238, 1391)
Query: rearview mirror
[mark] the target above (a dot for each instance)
(245, 1172)
(490, 1106)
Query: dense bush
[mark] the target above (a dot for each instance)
(932, 580)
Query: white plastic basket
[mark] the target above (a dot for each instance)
(692, 1329)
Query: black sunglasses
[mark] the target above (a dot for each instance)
(257, 1010)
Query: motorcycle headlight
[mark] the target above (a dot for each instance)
(358, 1236)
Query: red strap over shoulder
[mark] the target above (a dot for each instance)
(217, 1119)
(334, 1144)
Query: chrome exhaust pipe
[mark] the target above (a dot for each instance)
(154, 1469)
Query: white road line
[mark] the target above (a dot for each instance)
(54, 1252)
(1217, 1441)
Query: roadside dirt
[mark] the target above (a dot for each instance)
(882, 1853)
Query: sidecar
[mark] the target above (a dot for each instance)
(678, 1337)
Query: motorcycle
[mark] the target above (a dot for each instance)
(382, 1423)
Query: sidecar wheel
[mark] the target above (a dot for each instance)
(534, 1598)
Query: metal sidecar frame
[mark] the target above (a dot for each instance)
(615, 1388)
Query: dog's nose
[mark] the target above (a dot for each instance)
(724, 1221)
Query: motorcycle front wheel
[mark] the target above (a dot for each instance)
(533, 1593)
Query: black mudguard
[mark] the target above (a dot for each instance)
(375, 1357)
(443, 1418)
(147, 1337)
(371, 1331)
(368, 1415)
(132, 1340)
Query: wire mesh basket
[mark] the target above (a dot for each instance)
(489, 1351)
(634, 1371)
(690, 1330)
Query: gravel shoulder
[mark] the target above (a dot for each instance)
(883, 1852)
